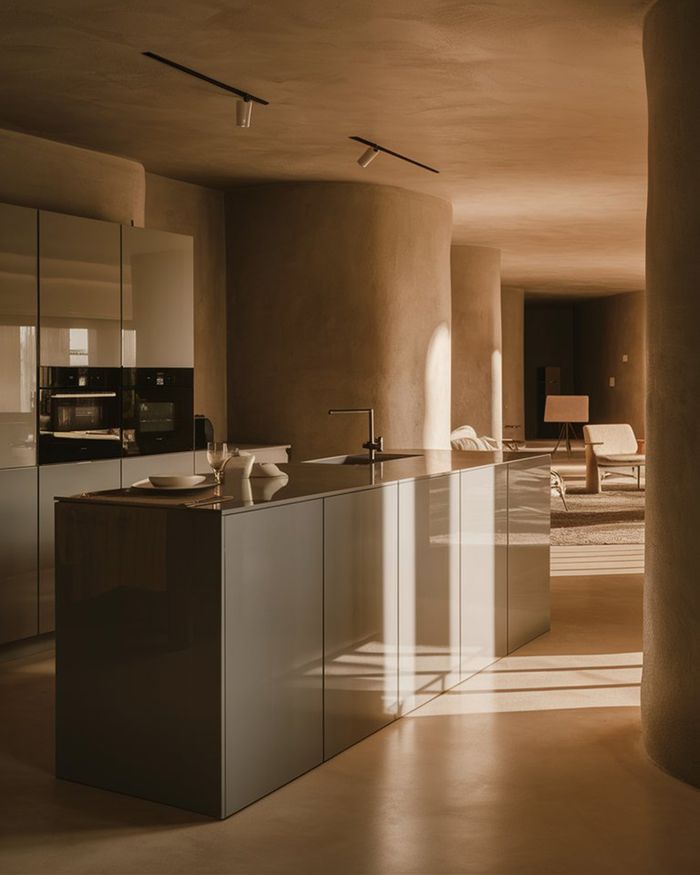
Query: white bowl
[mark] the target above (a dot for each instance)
(176, 481)
(266, 469)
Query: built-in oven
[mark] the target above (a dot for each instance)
(157, 410)
(79, 414)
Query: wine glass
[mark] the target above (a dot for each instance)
(218, 454)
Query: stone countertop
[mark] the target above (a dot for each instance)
(306, 480)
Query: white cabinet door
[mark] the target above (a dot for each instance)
(157, 299)
(484, 581)
(64, 480)
(18, 554)
(361, 615)
(528, 551)
(137, 468)
(18, 315)
(429, 621)
(273, 670)
(80, 292)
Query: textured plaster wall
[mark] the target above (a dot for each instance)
(671, 678)
(605, 330)
(339, 296)
(53, 176)
(513, 337)
(199, 212)
(476, 339)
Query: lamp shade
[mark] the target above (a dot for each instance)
(566, 408)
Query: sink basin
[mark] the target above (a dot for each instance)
(363, 458)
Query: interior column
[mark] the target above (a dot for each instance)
(671, 680)
(476, 339)
(339, 296)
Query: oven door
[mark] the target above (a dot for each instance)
(76, 425)
(158, 419)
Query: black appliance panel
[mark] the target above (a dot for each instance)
(158, 411)
(203, 432)
(79, 414)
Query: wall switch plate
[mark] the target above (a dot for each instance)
(611, 382)
(625, 358)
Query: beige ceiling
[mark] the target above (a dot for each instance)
(533, 110)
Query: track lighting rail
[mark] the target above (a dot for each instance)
(377, 148)
(244, 95)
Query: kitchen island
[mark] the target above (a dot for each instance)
(208, 653)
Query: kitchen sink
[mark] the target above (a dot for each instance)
(363, 458)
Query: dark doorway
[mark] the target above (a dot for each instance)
(549, 361)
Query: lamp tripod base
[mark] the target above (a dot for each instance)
(566, 434)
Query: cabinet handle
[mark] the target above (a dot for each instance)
(85, 395)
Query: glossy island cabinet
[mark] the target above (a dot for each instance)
(208, 653)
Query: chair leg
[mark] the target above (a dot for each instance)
(563, 500)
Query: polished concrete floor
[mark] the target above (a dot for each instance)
(534, 766)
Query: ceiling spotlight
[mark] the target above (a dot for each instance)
(367, 156)
(374, 149)
(244, 105)
(244, 110)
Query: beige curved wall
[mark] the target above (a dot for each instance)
(671, 679)
(339, 296)
(35, 172)
(476, 339)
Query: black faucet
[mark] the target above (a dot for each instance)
(374, 444)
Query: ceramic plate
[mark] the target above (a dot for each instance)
(147, 486)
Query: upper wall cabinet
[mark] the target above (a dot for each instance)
(18, 313)
(79, 274)
(157, 299)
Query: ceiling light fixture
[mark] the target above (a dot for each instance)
(374, 149)
(244, 106)
(244, 110)
(367, 156)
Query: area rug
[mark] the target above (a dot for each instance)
(615, 516)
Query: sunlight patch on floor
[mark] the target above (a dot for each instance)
(544, 683)
(594, 559)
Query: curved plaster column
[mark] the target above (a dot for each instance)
(339, 296)
(671, 680)
(476, 339)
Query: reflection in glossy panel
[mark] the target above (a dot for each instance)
(361, 615)
(484, 533)
(157, 302)
(273, 632)
(18, 557)
(64, 480)
(429, 588)
(18, 313)
(138, 653)
(79, 268)
(529, 507)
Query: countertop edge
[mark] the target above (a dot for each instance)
(241, 505)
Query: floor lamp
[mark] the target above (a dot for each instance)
(566, 410)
